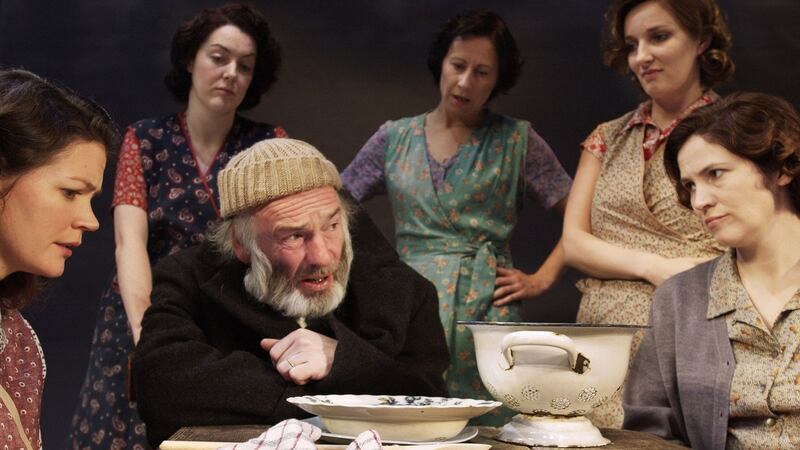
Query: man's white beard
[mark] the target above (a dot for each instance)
(271, 286)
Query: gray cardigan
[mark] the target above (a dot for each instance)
(679, 384)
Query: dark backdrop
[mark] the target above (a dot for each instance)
(348, 67)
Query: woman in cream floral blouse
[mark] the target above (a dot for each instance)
(720, 367)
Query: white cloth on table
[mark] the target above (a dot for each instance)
(293, 434)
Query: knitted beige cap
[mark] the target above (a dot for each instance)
(271, 169)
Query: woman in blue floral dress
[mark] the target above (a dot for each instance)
(456, 177)
(165, 196)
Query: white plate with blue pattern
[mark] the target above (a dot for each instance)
(398, 419)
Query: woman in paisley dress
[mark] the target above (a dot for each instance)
(624, 227)
(54, 146)
(456, 177)
(165, 196)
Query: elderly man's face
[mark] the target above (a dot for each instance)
(302, 235)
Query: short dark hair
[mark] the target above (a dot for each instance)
(702, 19)
(479, 23)
(38, 119)
(762, 128)
(191, 35)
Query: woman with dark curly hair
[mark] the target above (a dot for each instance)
(223, 60)
(456, 177)
(719, 368)
(54, 145)
(623, 226)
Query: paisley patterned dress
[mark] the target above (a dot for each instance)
(158, 172)
(456, 231)
(635, 206)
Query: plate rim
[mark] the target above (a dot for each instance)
(299, 399)
(552, 324)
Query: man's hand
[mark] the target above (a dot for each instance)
(302, 355)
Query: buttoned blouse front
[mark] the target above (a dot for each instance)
(765, 389)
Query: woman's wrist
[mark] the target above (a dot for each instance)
(645, 266)
(546, 278)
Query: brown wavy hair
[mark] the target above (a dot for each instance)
(38, 119)
(761, 128)
(189, 37)
(700, 18)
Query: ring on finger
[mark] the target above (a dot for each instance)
(290, 363)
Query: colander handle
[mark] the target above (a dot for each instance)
(578, 363)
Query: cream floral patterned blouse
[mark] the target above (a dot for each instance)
(765, 389)
(635, 206)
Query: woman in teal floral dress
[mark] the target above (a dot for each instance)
(456, 177)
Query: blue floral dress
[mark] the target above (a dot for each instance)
(158, 172)
(453, 221)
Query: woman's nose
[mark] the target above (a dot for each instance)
(702, 198)
(86, 220)
(230, 71)
(465, 79)
(643, 54)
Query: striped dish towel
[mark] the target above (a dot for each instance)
(293, 434)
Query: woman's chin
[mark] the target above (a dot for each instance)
(729, 240)
(51, 271)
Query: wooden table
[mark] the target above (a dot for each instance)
(620, 439)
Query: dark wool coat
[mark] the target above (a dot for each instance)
(199, 361)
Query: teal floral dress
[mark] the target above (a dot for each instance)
(453, 220)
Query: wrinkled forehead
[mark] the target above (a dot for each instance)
(300, 208)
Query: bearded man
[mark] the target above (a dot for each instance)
(281, 302)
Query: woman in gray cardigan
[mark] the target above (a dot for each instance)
(720, 367)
